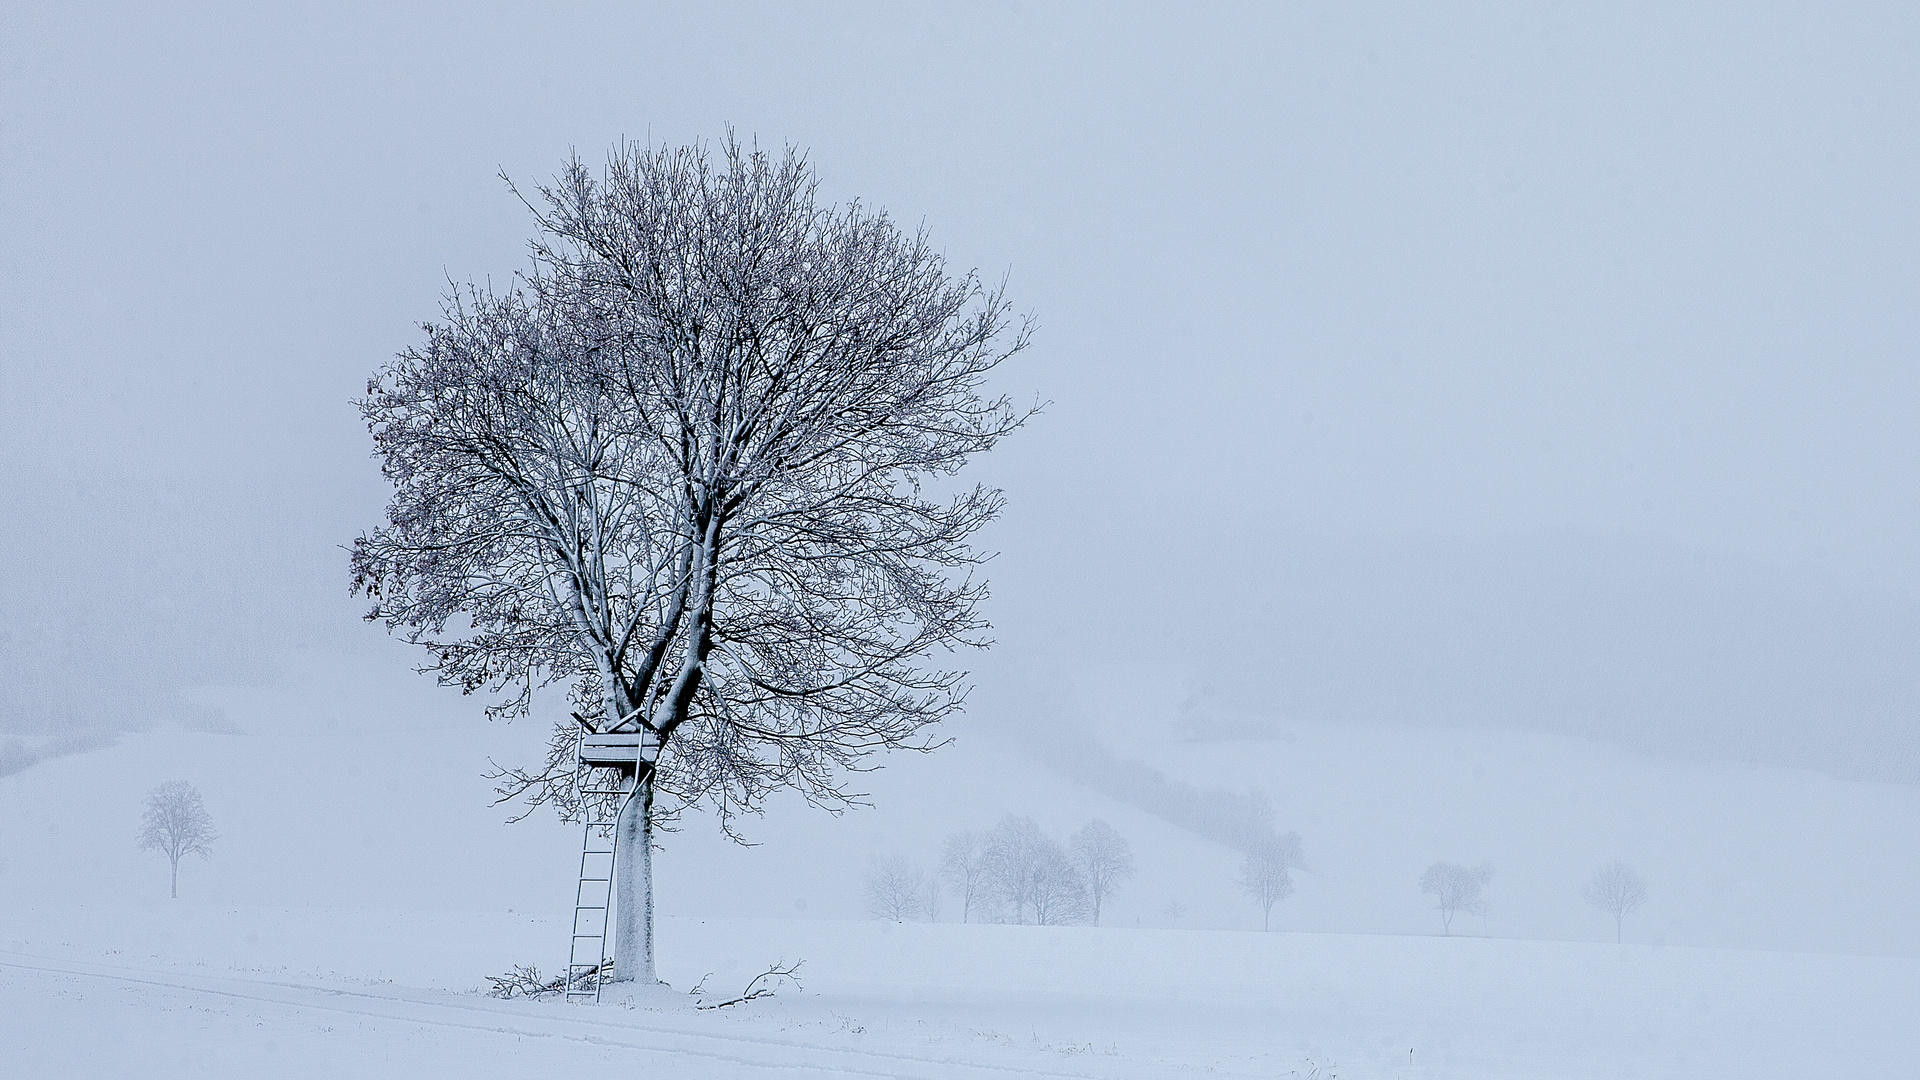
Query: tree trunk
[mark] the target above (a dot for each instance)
(1616, 929)
(633, 887)
(173, 886)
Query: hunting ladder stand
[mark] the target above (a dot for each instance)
(588, 954)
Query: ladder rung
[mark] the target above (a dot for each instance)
(584, 879)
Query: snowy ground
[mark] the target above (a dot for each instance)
(194, 991)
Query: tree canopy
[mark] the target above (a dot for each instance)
(683, 466)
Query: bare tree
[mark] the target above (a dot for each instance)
(931, 898)
(963, 865)
(1174, 910)
(176, 823)
(1618, 890)
(1007, 858)
(1264, 874)
(1456, 888)
(679, 468)
(1059, 888)
(896, 889)
(1105, 860)
(1029, 871)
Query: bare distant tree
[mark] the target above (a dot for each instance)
(1007, 857)
(896, 889)
(1264, 875)
(1029, 871)
(1456, 888)
(963, 865)
(1059, 888)
(176, 823)
(679, 468)
(931, 898)
(1105, 860)
(1174, 910)
(1618, 890)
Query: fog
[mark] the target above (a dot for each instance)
(1531, 372)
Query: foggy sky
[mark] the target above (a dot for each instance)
(1526, 367)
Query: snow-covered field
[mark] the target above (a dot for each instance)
(203, 991)
(362, 890)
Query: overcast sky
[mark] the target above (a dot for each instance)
(1529, 366)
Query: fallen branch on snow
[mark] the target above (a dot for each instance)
(754, 991)
(525, 981)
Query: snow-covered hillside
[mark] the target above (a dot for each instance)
(362, 888)
(361, 785)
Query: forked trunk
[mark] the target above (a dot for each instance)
(633, 887)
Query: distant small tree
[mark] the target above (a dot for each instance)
(1618, 890)
(896, 889)
(1105, 860)
(176, 823)
(1174, 910)
(1264, 875)
(1456, 888)
(963, 865)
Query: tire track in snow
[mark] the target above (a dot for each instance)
(828, 1061)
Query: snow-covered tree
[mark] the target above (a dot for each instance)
(176, 823)
(1618, 890)
(963, 865)
(681, 468)
(1264, 874)
(896, 889)
(1105, 860)
(1456, 888)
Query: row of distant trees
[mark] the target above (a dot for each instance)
(1016, 873)
(1012, 873)
(1616, 889)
